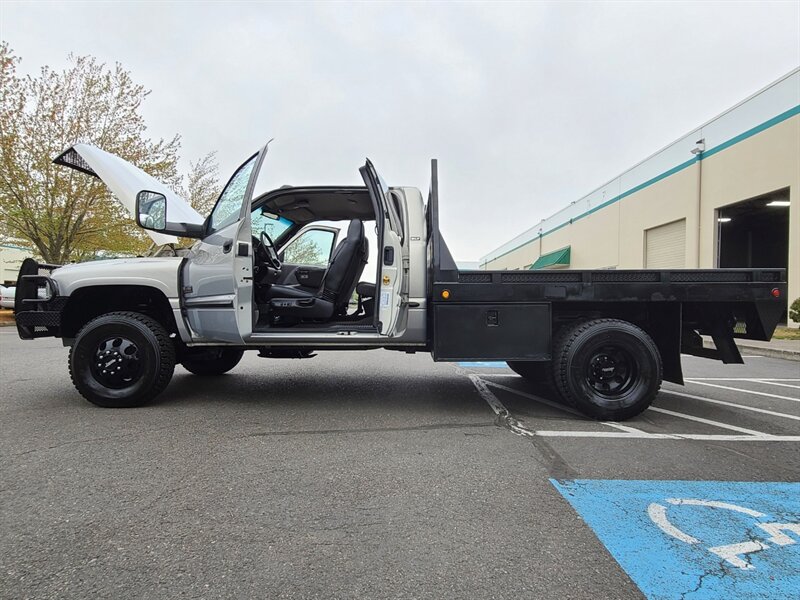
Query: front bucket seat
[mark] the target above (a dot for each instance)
(344, 270)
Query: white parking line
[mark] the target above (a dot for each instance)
(740, 379)
(733, 405)
(788, 385)
(749, 379)
(733, 389)
(707, 421)
(705, 437)
(622, 427)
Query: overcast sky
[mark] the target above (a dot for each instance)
(527, 106)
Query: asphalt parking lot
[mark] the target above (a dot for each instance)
(384, 475)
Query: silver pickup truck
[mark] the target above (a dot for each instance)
(268, 273)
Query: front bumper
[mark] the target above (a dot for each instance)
(37, 305)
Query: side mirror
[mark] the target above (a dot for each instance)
(151, 210)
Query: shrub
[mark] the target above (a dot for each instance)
(794, 311)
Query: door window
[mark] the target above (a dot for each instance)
(311, 249)
(230, 200)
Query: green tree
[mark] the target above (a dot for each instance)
(202, 187)
(305, 251)
(62, 213)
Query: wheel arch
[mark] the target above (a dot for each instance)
(662, 321)
(86, 303)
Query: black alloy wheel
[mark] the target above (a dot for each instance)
(611, 371)
(117, 363)
(121, 360)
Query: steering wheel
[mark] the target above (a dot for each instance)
(270, 253)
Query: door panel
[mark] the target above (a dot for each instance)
(212, 305)
(390, 232)
(390, 300)
(218, 274)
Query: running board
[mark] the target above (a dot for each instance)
(286, 353)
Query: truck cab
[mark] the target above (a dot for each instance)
(287, 267)
(284, 267)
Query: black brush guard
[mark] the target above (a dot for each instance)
(37, 305)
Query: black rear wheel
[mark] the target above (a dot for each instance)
(121, 360)
(608, 369)
(211, 361)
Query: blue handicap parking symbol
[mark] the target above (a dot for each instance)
(697, 539)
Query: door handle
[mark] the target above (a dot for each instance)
(227, 245)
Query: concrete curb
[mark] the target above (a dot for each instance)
(761, 350)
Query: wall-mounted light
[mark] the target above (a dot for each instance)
(724, 220)
(700, 147)
(779, 203)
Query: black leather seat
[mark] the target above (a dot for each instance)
(365, 289)
(344, 270)
(288, 291)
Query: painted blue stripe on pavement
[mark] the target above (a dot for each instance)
(697, 539)
(484, 364)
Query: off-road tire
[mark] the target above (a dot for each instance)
(146, 341)
(215, 361)
(607, 353)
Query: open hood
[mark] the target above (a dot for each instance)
(125, 181)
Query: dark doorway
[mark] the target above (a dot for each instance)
(754, 233)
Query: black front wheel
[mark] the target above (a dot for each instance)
(608, 369)
(211, 361)
(121, 360)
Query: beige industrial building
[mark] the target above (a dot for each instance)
(725, 195)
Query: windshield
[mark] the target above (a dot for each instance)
(273, 225)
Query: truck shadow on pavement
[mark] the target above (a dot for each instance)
(433, 393)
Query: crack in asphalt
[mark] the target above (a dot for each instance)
(557, 467)
(431, 427)
(102, 438)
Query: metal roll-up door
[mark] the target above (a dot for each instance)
(665, 246)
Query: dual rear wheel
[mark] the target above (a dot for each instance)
(608, 369)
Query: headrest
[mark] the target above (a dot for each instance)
(355, 230)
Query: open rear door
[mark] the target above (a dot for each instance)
(390, 252)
